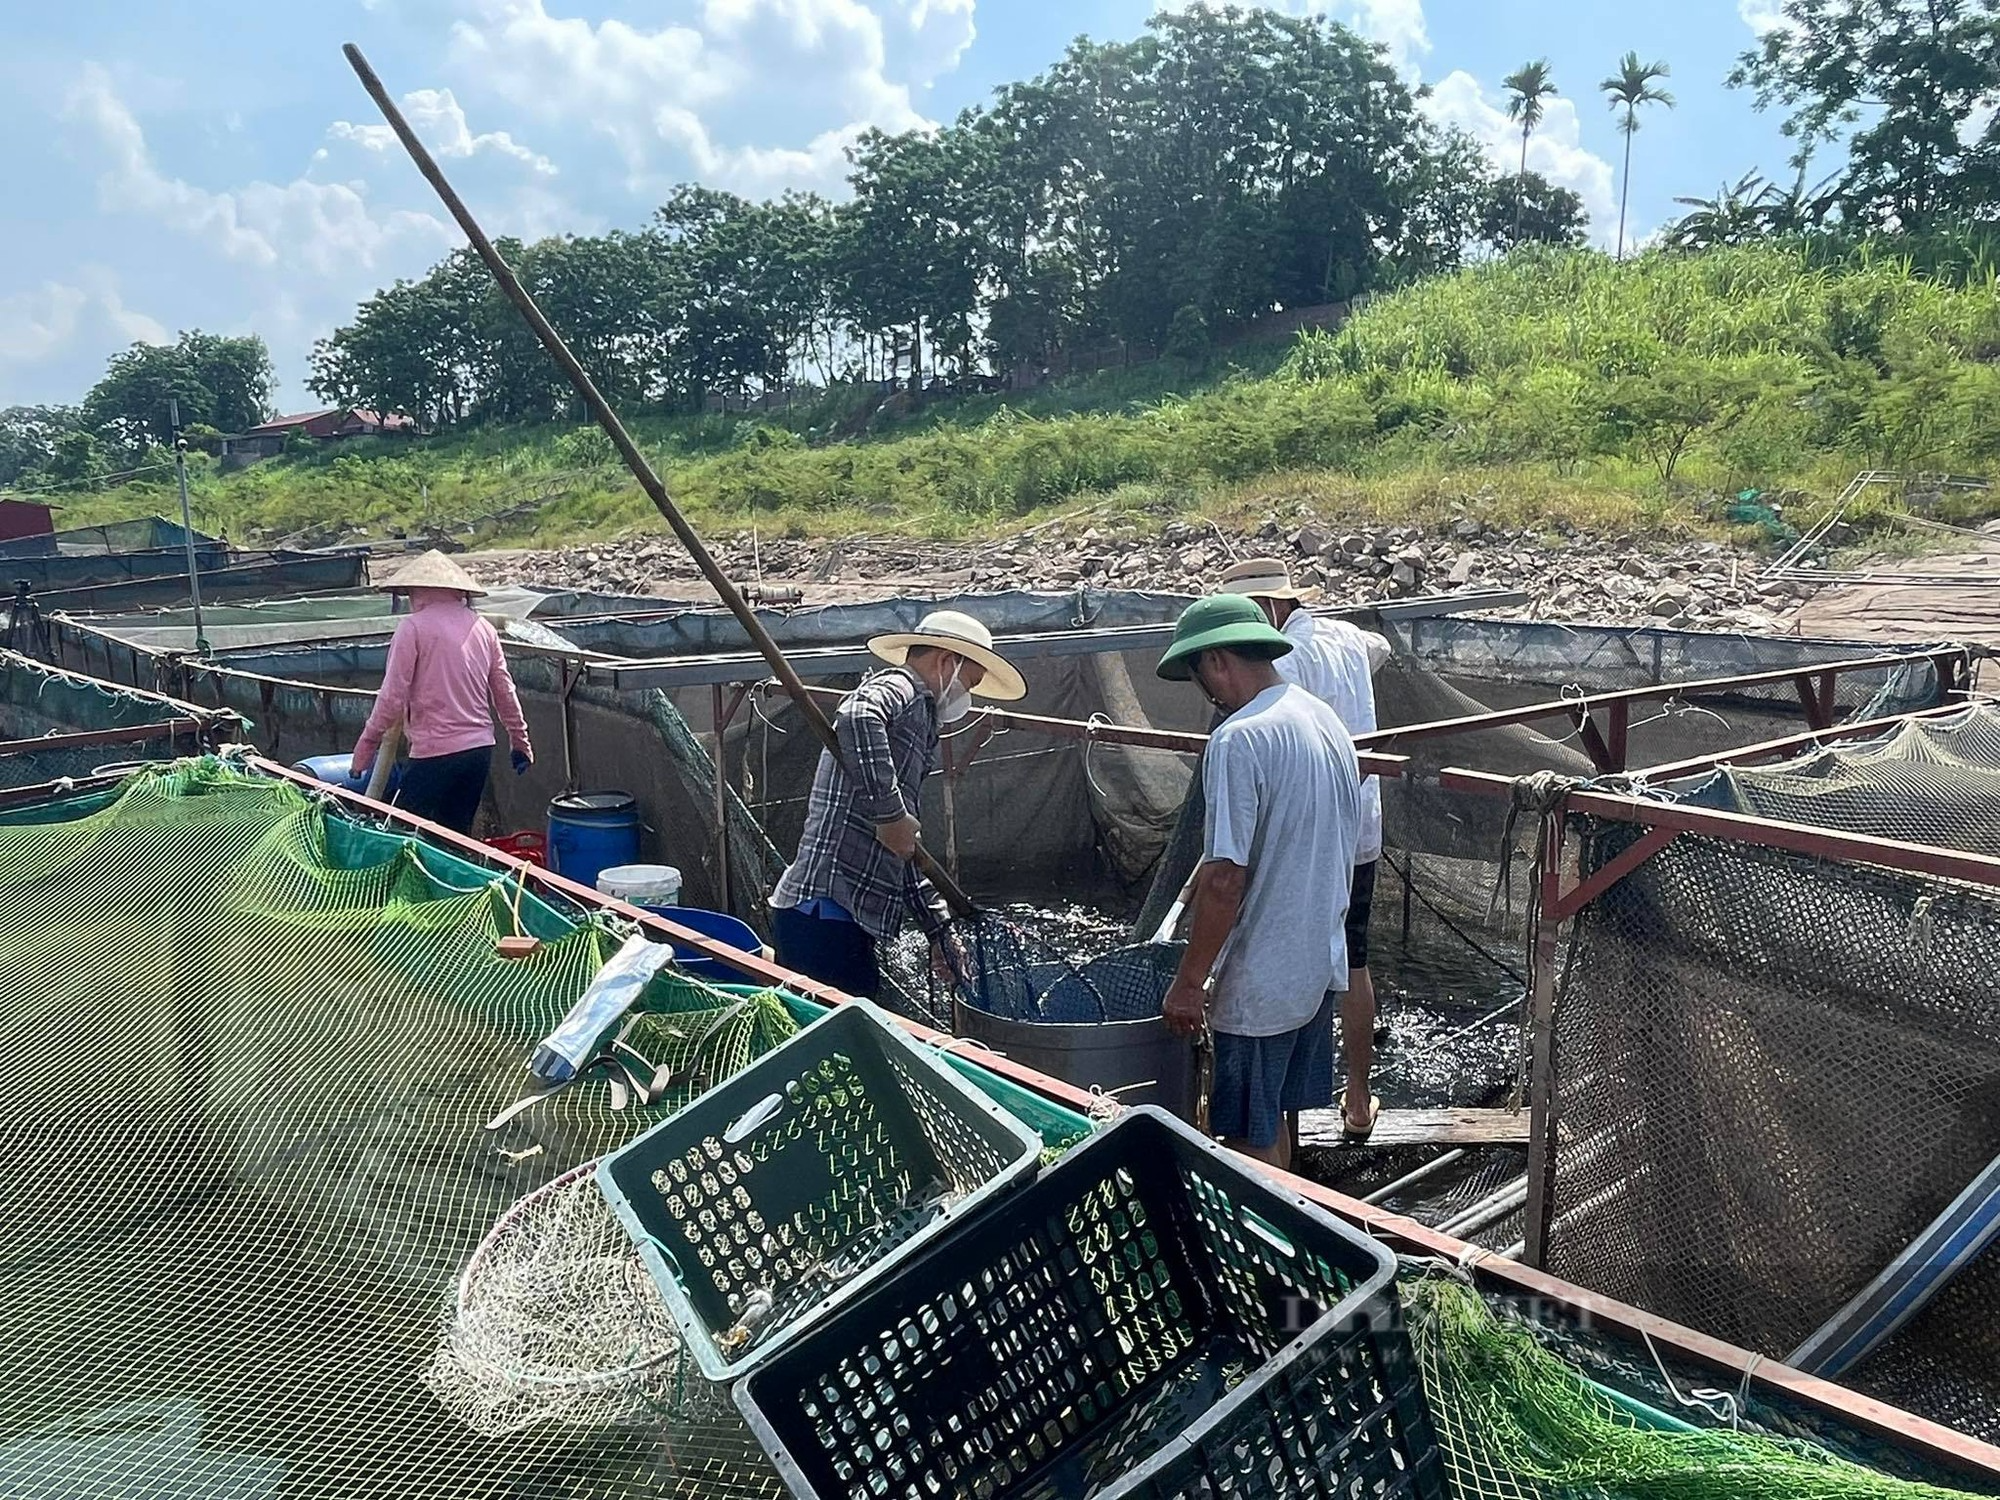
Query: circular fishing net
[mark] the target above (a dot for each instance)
(556, 1319)
(1008, 969)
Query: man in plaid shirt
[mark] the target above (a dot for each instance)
(855, 879)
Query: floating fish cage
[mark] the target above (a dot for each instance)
(319, 1052)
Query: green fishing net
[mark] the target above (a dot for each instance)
(253, 1053)
(1517, 1423)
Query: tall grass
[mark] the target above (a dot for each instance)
(1560, 376)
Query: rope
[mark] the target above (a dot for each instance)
(1678, 707)
(1720, 1405)
(1445, 917)
(1539, 793)
(1096, 721)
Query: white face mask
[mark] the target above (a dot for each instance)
(955, 702)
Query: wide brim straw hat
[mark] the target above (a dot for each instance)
(1260, 578)
(948, 630)
(1220, 622)
(432, 571)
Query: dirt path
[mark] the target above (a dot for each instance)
(1919, 610)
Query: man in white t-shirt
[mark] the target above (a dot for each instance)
(1266, 949)
(1336, 663)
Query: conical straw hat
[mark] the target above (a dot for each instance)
(433, 571)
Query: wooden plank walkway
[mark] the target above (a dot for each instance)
(1423, 1127)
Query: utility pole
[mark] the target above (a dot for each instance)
(187, 523)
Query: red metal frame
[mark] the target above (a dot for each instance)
(1662, 822)
(1769, 833)
(201, 729)
(43, 791)
(181, 707)
(750, 965)
(1103, 732)
(1607, 746)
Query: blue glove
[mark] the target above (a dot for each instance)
(521, 762)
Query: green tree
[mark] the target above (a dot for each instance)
(28, 438)
(1751, 209)
(1444, 194)
(223, 382)
(1659, 414)
(413, 347)
(1234, 161)
(910, 256)
(1904, 84)
(1531, 210)
(1187, 337)
(1528, 86)
(78, 458)
(1632, 85)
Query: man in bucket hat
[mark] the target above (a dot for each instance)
(854, 880)
(1336, 663)
(1266, 949)
(445, 680)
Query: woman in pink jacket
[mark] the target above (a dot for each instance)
(446, 679)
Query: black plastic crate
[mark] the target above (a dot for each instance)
(1150, 1318)
(785, 1190)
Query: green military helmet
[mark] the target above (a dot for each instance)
(1230, 621)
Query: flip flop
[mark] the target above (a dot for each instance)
(1353, 1136)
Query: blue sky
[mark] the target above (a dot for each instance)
(213, 163)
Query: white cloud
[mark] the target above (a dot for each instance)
(940, 33)
(700, 97)
(48, 319)
(1763, 16)
(756, 169)
(1555, 150)
(35, 324)
(327, 228)
(439, 120)
(1397, 24)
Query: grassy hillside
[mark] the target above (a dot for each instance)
(1555, 387)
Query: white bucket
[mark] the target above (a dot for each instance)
(642, 885)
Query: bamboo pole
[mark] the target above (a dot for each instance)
(649, 481)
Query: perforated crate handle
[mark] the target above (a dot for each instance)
(1269, 1233)
(756, 1115)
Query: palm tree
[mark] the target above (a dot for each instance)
(1632, 86)
(1527, 87)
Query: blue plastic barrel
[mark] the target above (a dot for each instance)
(338, 770)
(592, 831)
(719, 925)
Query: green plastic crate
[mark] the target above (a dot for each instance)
(1060, 1127)
(789, 1189)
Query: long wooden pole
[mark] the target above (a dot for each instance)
(649, 481)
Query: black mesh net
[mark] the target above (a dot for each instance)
(1927, 781)
(1772, 1072)
(1007, 968)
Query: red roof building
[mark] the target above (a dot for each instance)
(329, 425)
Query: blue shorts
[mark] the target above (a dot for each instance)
(1260, 1079)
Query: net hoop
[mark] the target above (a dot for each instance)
(466, 1297)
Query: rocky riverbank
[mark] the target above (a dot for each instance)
(1685, 585)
